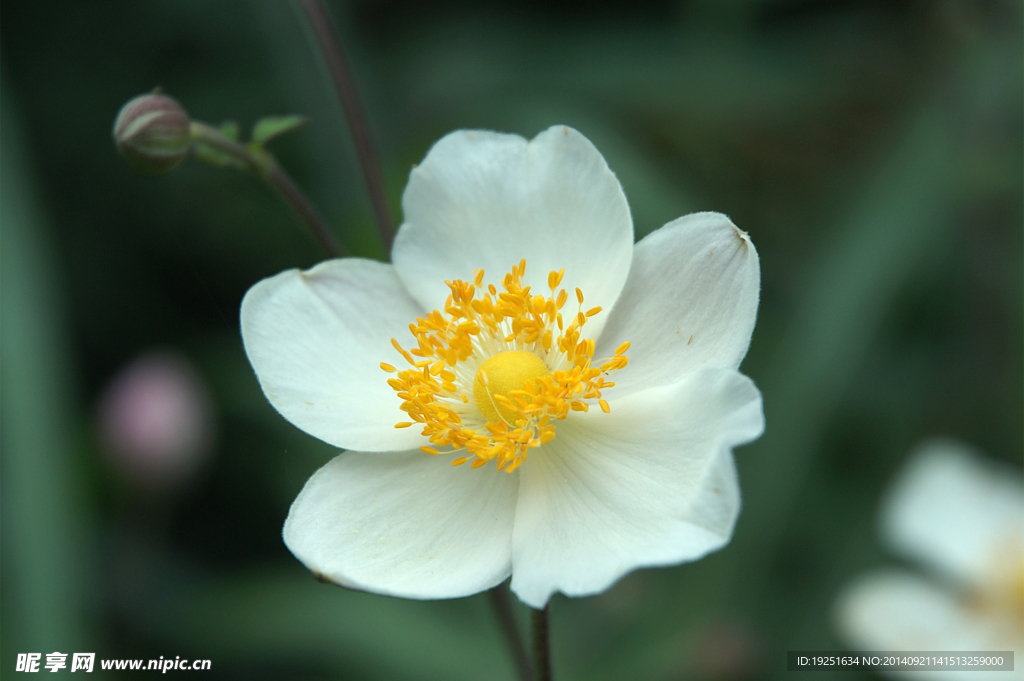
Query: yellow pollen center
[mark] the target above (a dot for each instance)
(491, 375)
(501, 374)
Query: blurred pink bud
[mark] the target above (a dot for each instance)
(152, 132)
(156, 420)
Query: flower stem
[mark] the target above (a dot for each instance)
(541, 644)
(344, 87)
(506, 618)
(264, 165)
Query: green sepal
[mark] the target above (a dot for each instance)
(215, 157)
(230, 130)
(270, 127)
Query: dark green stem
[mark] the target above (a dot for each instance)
(344, 87)
(506, 618)
(541, 644)
(264, 165)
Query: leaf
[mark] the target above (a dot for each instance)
(230, 130)
(44, 509)
(270, 127)
(277, 613)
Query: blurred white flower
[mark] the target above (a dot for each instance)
(962, 518)
(598, 467)
(155, 419)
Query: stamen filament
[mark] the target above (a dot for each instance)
(481, 324)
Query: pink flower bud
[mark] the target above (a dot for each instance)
(152, 133)
(156, 420)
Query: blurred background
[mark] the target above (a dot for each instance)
(873, 150)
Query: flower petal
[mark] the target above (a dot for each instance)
(651, 483)
(407, 525)
(487, 200)
(895, 610)
(954, 511)
(316, 340)
(690, 301)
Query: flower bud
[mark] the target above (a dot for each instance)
(156, 421)
(152, 133)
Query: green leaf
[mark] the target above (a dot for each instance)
(270, 127)
(45, 523)
(230, 130)
(282, 613)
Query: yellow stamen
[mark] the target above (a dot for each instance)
(512, 353)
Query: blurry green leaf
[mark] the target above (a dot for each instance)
(904, 220)
(43, 565)
(671, 71)
(230, 130)
(282, 615)
(904, 217)
(270, 127)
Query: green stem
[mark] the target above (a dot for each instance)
(344, 87)
(507, 620)
(541, 644)
(264, 165)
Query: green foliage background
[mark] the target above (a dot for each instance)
(873, 150)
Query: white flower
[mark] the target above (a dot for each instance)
(562, 496)
(962, 518)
